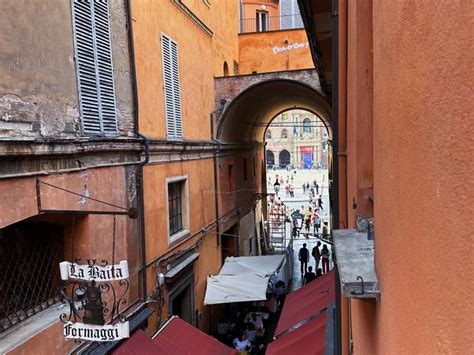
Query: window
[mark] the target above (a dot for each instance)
(284, 116)
(225, 69)
(284, 133)
(95, 73)
(306, 125)
(178, 207)
(262, 21)
(172, 92)
(268, 134)
(30, 253)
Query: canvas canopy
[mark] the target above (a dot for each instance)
(242, 279)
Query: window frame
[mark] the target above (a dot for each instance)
(185, 217)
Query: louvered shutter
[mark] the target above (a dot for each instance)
(94, 67)
(290, 15)
(172, 93)
(176, 91)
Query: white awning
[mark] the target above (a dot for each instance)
(242, 279)
(265, 265)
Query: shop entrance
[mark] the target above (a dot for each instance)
(181, 300)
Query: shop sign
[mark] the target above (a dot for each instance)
(89, 272)
(96, 332)
(96, 294)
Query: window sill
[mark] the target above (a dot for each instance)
(355, 260)
(30, 327)
(178, 236)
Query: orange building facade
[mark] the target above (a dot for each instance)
(403, 182)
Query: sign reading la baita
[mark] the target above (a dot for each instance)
(94, 292)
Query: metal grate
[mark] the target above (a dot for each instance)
(30, 254)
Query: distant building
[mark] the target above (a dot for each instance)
(297, 139)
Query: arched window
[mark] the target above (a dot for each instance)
(306, 125)
(284, 133)
(284, 158)
(226, 69)
(270, 158)
(268, 135)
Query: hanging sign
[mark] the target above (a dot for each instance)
(96, 332)
(89, 272)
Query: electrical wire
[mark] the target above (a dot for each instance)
(82, 195)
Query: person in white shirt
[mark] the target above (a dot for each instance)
(242, 344)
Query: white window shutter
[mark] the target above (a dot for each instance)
(172, 90)
(94, 67)
(176, 91)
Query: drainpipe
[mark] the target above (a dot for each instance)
(335, 121)
(141, 197)
(215, 162)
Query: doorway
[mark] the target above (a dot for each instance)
(181, 300)
(229, 243)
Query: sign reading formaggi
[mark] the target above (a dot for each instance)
(96, 332)
(93, 272)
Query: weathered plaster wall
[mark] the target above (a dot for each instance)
(265, 52)
(38, 89)
(88, 236)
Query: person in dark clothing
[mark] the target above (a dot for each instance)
(303, 256)
(316, 186)
(309, 276)
(316, 254)
(319, 272)
(320, 202)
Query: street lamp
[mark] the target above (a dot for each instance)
(276, 186)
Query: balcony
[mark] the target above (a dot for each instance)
(263, 23)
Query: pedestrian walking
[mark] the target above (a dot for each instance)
(316, 223)
(316, 186)
(303, 256)
(325, 258)
(304, 188)
(316, 253)
(320, 202)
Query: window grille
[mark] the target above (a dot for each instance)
(94, 67)
(172, 91)
(30, 254)
(175, 205)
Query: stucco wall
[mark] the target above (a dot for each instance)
(274, 51)
(423, 168)
(38, 90)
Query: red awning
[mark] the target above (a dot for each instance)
(139, 343)
(181, 338)
(308, 339)
(306, 302)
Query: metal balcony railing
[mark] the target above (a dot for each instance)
(271, 23)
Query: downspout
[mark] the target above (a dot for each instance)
(141, 197)
(335, 121)
(216, 191)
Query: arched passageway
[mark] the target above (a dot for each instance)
(247, 116)
(284, 158)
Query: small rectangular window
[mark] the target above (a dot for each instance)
(178, 207)
(175, 207)
(95, 72)
(172, 91)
